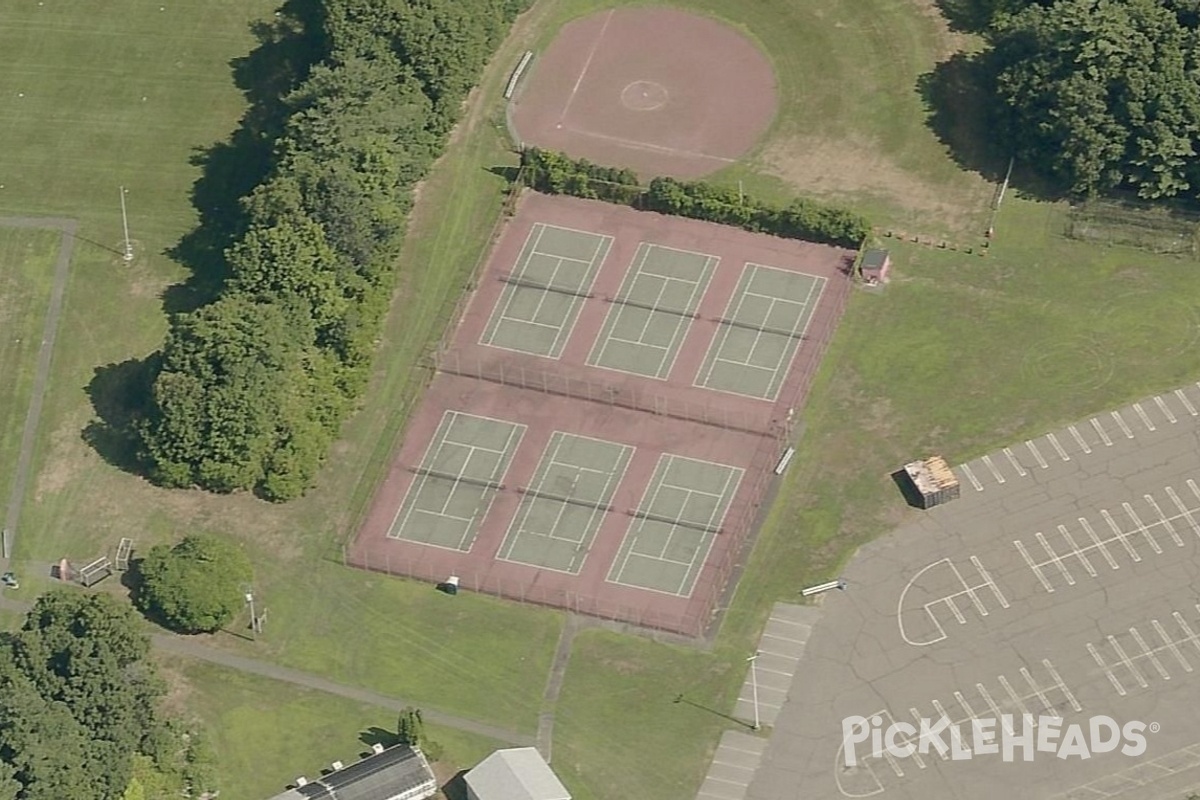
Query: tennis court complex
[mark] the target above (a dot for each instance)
(562, 509)
(545, 289)
(458, 477)
(651, 314)
(760, 331)
(674, 525)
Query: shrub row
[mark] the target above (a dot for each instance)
(803, 218)
(251, 390)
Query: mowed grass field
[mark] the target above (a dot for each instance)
(1040, 332)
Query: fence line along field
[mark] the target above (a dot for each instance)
(606, 420)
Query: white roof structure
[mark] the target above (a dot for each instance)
(519, 773)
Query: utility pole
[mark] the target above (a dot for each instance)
(754, 686)
(125, 224)
(255, 627)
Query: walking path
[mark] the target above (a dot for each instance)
(16, 495)
(189, 648)
(558, 671)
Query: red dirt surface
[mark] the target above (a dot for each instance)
(655, 416)
(657, 90)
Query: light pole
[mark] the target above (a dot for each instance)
(253, 616)
(754, 686)
(128, 256)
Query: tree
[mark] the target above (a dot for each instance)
(197, 585)
(410, 729)
(1103, 94)
(77, 699)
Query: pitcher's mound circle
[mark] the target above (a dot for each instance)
(644, 96)
(711, 90)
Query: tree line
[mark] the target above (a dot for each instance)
(1100, 95)
(250, 390)
(803, 218)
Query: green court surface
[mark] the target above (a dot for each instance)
(675, 524)
(459, 475)
(760, 332)
(543, 293)
(563, 508)
(651, 315)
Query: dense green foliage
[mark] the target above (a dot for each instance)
(196, 586)
(252, 389)
(77, 700)
(557, 173)
(1102, 95)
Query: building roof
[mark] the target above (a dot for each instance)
(875, 259)
(519, 773)
(931, 475)
(398, 773)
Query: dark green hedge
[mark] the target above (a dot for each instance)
(803, 218)
(251, 389)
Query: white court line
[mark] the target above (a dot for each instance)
(1107, 669)
(1184, 511)
(1103, 433)
(1058, 447)
(1062, 685)
(1016, 464)
(1037, 570)
(1099, 545)
(1037, 455)
(1149, 654)
(1183, 398)
(988, 461)
(971, 477)
(1121, 424)
(1087, 565)
(1119, 534)
(1054, 558)
(1079, 439)
(1166, 523)
(1162, 405)
(1141, 412)
(1142, 527)
(1127, 661)
(1171, 645)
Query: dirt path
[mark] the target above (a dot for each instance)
(189, 648)
(16, 495)
(554, 682)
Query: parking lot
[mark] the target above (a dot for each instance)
(1061, 584)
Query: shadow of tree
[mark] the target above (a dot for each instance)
(376, 735)
(120, 394)
(289, 46)
(967, 16)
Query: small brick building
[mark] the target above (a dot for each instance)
(875, 266)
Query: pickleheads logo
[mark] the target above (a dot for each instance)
(1005, 736)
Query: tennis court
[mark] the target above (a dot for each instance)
(545, 290)
(562, 509)
(674, 525)
(457, 479)
(651, 314)
(760, 331)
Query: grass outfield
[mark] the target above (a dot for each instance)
(26, 278)
(266, 733)
(875, 403)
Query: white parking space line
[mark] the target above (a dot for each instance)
(1162, 519)
(1016, 464)
(1127, 661)
(1099, 545)
(1129, 512)
(1058, 447)
(1195, 490)
(1016, 698)
(1107, 669)
(1066, 534)
(971, 477)
(1047, 706)
(1079, 439)
(1036, 454)
(1122, 425)
(1141, 412)
(1061, 684)
(1120, 534)
(1005, 719)
(1149, 654)
(1187, 630)
(1037, 570)
(988, 582)
(1102, 433)
(1054, 558)
(1162, 406)
(1184, 511)
(1183, 398)
(987, 460)
(1171, 645)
